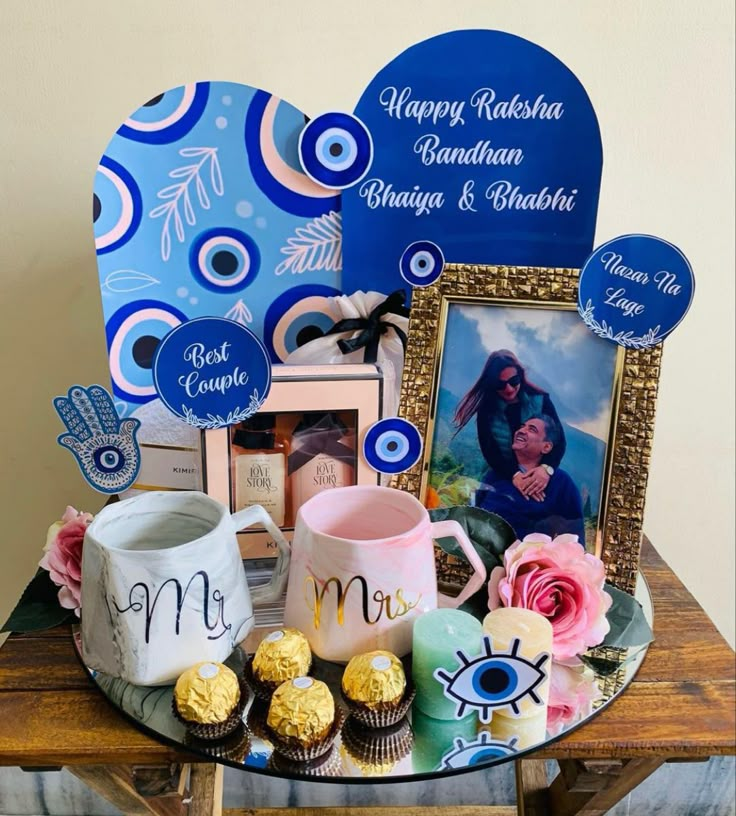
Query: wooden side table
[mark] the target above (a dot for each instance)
(681, 706)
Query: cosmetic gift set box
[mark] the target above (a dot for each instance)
(306, 438)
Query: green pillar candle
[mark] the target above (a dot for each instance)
(435, 738)
(437, 636)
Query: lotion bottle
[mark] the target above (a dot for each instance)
(259, 467)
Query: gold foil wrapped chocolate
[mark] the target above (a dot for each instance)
(207, 693)
(302, 709)
(374, 679)
(282, 655)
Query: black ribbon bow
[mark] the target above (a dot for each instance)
(372, 327)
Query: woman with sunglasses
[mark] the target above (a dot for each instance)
(503, 399)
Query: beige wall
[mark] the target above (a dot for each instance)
(659, 72)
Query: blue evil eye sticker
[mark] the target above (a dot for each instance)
(477, 752)
(133, 334)
(224, 259)
(167, 117)
(421, 263)
(336, 150)
(117, 206)
(271, 141)
(635, 290)
(104, 446)
(212, 372)
(392, 445)
(297, 316)
(493, 680)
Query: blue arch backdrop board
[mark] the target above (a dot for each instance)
(485, 144)
(201, 208)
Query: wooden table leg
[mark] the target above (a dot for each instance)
(593, 788)
(205, 790)
(115, 783)
(531, 787)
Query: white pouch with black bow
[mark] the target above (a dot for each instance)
(371, 328)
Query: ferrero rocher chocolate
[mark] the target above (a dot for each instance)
(282, 655)
(302, 709)
(374, 679)
(207, 693)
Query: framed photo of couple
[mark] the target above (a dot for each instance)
(526, 413)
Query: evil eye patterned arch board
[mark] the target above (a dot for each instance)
(298, 316)
(168, 116)
(117, 206)
(278, 176)
(223, 259)
(133, 334)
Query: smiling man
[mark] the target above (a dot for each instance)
(558, 510)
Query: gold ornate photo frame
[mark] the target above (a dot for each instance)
(634, 383)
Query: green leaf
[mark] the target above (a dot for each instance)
(490, 534)
(629, 627)
(38, 607)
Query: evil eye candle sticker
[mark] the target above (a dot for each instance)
(336, 150)
(104, 446)
(635, 290)
(297, 316)
(392, 445)
(477, 752)
(117, 206)
(224, 259)
(493, 680)
(133, 334)
(212, 372)
(421, 263)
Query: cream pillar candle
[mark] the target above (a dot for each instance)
(534, 633)
(528, 731)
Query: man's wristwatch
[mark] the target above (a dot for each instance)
(550, 470)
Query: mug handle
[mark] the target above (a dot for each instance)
(452, 529)
(272, 591)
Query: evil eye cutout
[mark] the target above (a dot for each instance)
(224, 260)
(117, 206)
(297, 316)
(493, 680)
(421, 263)
(392, 445)
(336, 150)
(271, 134)
(167, 117)
(477, 752)
(133, 334)
(109, 459)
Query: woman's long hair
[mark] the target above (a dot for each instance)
(484, 390)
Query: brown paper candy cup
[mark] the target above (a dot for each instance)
(235, 747)
(215, 731)
(298, 752)
(383, 715)
(327, 765)
(373, 746)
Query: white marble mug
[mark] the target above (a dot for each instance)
(163, 585)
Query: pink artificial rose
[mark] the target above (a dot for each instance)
(559, 580)
(573, 691)
(63, 556)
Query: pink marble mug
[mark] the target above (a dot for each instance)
(362, 570)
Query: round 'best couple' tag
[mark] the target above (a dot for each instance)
(634, 290)
(212, 372)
